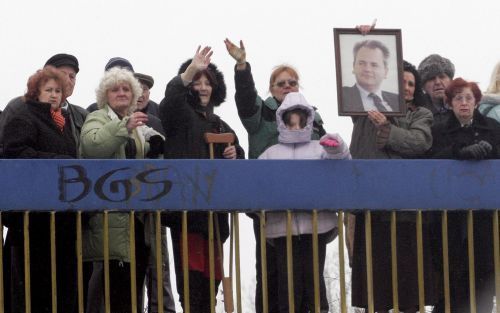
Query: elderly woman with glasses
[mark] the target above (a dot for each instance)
(468, 135)
(258, 116)
(117, 131)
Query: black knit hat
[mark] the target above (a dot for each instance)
(435, 65)
(118, 62)
(219, 90)
(63, 59)
(145, 79)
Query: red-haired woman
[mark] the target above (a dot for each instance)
(42, 131)
(468, 135)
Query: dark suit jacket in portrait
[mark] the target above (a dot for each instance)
(351, 100)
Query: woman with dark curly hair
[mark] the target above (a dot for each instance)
(187, 114)
(42, 131)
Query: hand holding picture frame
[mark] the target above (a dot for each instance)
(369, 72)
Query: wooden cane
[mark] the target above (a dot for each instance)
(227, 285)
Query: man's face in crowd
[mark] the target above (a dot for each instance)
(369, 68)
(435, 87)
(143, 100)
(70, 73)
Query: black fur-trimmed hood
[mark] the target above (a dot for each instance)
(218, 92)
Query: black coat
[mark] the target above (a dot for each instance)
(185, 122)
(351, 99)
(450, 137)
(32, 134)
(18, 106)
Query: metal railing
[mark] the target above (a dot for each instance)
(251, 185)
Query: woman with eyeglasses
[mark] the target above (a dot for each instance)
(468, 135)
(258, 116)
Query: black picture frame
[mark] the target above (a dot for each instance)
(351, 76)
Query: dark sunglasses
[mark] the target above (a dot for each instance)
(291, 83)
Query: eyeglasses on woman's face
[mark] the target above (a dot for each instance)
(283, 83)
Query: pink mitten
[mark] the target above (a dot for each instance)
(329, 142)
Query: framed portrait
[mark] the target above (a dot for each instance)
(369, 71)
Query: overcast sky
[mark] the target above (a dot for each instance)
(157, 36)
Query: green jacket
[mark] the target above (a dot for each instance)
(104, 136)
(259, 116)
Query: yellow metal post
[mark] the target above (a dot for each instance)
(27, 277)
(472, 271)
(420, 263)
(343, 302)
(317, 305)
(133, 262)
(53, 268)
(369, 267)
(107, 303)
(237, 261)
(394, 263)
(289, 261)
(446, 262)
(185, 268)
(263, 257)
(211, 256)
(159, 261)
(2, 304)
(496, 250)
(79, 260)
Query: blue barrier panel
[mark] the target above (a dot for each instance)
(248, 184)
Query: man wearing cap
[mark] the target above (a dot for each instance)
(144, 104)
(436, 73)
(68, 64)
(151, 109)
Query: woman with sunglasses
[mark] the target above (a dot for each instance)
(258, 116)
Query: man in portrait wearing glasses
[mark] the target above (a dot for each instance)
(370, 70)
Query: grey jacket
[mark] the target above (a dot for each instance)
(414, 137)
(409, 136)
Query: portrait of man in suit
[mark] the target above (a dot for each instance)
(370, 68)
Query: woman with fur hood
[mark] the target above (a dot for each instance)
(295, 119)
(187, 114)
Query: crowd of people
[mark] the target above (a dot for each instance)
(446, 117)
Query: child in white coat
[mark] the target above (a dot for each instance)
(295, 119)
